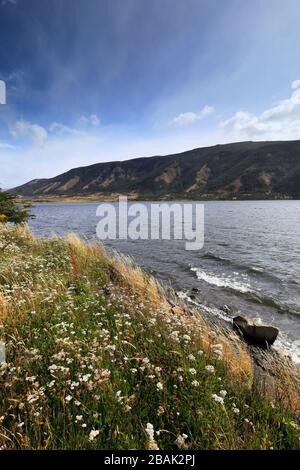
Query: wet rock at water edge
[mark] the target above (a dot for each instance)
(226, 309)
(256, 333)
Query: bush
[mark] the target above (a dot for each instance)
(11, 211)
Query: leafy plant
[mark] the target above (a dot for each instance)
(11, 211)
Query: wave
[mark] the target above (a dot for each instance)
(222, 281)
(256, 270)
(244, 288)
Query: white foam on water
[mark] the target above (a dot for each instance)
(210, 310)
(224, 281)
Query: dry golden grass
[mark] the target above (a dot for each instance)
(3, 308)
(142, 284)
(279, 380)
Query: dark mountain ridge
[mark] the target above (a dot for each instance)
(241, 170)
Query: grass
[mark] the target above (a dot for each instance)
(97, 358)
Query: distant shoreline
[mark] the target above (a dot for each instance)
(168, 197)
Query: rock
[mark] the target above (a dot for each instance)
(256, 333)
(226, 309)
(195, 290)
(192, 297)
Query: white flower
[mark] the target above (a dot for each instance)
(191, 357)
(180, 441)
(150, 430)
(94, 433)
(69, 398)
(78, 418)
(195, 383)
(236, 410)
(210, 369)
(159, 386)
(218, 399)
(30, 379)
(192, 371)
(223, 393)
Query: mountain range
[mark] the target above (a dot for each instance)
(239, 170)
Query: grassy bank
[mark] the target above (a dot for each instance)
(97, 357)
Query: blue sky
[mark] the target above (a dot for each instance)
(101, 80)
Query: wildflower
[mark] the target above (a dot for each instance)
(195, 383)
(69, 398)
(78, 418)
(150, 432)
(180, 441)
(218, 399)
(191, 357)
(200, 352)
(160, 411)
(83, 425)
(210, 369)
(159, 386)
(223, 393)
(30, 379)
(94, 433)
(192, 371)
(236, 410)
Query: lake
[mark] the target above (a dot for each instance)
(250, 260)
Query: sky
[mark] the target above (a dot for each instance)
(101, 80)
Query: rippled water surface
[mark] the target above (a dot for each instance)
(250, 260)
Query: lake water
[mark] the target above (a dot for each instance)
(250, 260)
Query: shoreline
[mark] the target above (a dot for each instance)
(132, 198)
(79, 322)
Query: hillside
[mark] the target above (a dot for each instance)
(239, 170)
(97, 357)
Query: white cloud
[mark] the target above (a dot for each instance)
(185, 119)
(62, 129)
(278, 122)
(91, 119)
(295, 84)
(5, 145)
(26, 130)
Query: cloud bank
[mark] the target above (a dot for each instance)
(280, 122)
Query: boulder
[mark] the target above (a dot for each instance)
(256, 333)
(226, 309)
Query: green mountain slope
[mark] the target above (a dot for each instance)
(244, 169)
